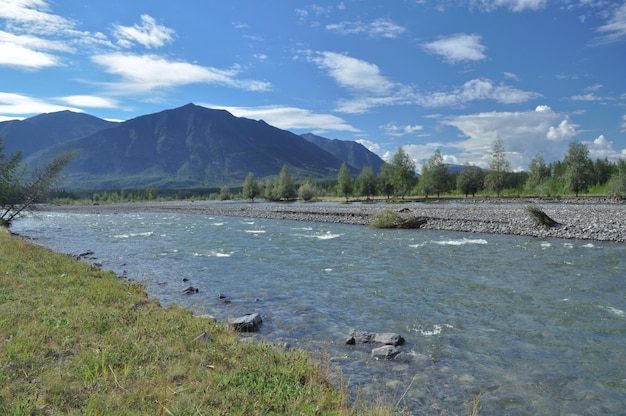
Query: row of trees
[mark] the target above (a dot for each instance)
(576, 174)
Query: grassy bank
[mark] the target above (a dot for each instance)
(76, 340)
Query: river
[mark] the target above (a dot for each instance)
(529, 326)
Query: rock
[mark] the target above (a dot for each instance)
(386, 352)
(247, 323)
(363, 337)
(190, 290)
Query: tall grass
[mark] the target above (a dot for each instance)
(76, 340)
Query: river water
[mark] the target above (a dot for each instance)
(528, 326)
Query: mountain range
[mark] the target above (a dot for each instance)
(189, 146)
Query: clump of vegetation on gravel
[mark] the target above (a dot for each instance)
(388, 218)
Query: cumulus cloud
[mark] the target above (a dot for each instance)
(460, 47)
(563, 131)
(601, 148)
(145, 73)
(379, 28)
(148, 33)
(290, 117)
(524, 135)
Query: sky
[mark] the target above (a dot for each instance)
(453, 75)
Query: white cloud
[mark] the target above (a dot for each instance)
(289, 117)
(392, 129)
(586, 97)
(510, 75)
(32, 16)
(375, 148)
(524, 134)
(23, 105)
(370, 88)
(513, 5)
(90, 101)
(615, 29)
(352, 73)
(145, 73)
(601, 148)
(457, 48)
(379, 28)
(476, 89)
(564, 131)
(22, 57)
(149, 34)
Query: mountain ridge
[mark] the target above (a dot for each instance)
(188, 146)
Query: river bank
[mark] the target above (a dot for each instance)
(586, 220)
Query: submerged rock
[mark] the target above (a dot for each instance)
(386, 352)
(363, 337)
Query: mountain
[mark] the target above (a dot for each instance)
(45, 130)
(190, 146)
(354, 154)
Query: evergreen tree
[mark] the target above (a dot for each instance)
(251, 188)
(499, 168)
(286, 187)
(345, 183)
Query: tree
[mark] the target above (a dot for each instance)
(603, 170)
(270, 193)
(617, 183)
(251, 188)
(436, 176)
(20, 190)
(366, 182)
(403, 172)
(286, 187)
(345, 183)
(307, 190)
(386, 179)
(539, 174)
(471, 179)
(578, 168)
(495, 180)
(224, 193)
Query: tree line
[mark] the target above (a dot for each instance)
(575, 174)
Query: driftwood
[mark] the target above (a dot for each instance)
(411, 222)
(540, 217)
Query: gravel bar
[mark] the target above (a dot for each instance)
(598, 220)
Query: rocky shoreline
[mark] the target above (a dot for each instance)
(598, 220)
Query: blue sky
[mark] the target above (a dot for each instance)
(453, 75)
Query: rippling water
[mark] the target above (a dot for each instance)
(533, 326)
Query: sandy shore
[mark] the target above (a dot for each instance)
(590, 220)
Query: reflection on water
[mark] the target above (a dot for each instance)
(535, 327)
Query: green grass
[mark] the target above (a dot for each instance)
(76, 340)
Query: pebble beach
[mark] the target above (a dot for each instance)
(597, 220)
